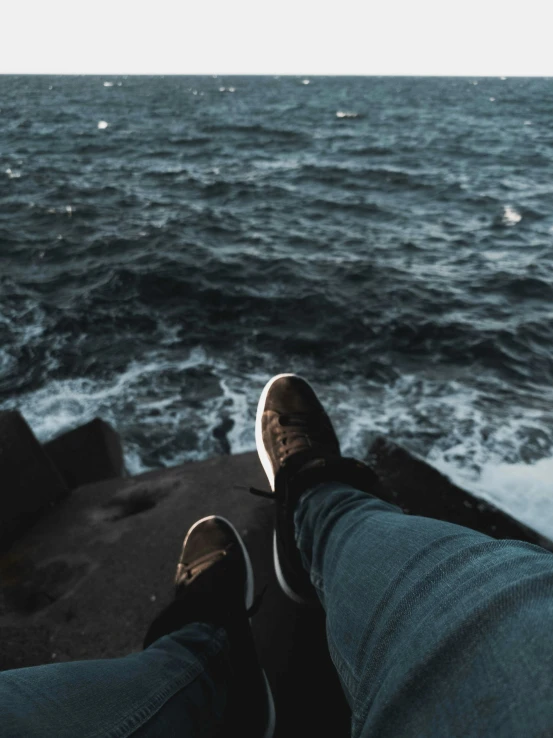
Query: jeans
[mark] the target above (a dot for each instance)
(434, 629)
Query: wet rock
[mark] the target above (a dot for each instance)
(221, 431)
(87, 454)
(29, 482)
(419, 489)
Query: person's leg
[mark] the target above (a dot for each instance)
(435, 629)
(177, 686)
(198, 675)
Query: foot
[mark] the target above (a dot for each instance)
(214, 584)
(298, 448)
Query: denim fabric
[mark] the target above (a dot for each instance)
(176, 687)
(435, 630)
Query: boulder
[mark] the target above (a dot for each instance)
(87, 454)
(29, 480)
(419, 489)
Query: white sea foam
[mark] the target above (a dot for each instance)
(25, 323)
(102, 124)
(346, 114)
(470, 445)
(7, 363)
(445, 421)
(108, 84)
(523, 490)
(62, 404)
(511, 216)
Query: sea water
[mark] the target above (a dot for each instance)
(167, 244)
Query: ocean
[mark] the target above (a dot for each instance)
(167, 244)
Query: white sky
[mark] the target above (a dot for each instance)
(422, 37)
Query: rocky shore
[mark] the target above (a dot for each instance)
(87, 553)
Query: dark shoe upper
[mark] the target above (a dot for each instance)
(292, 426)
(213, 547)
(298, 449)
(214, 584)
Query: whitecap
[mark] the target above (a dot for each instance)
(511, 216)
(494, 255)
(102, 124)
(108, 84)
(306, 81)
(345, 114)
(12, 174)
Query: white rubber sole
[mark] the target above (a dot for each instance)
(249, 597)
(263, 456)
(271, 718)
(268, 468)
(282, 581)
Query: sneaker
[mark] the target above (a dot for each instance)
(298, 448)
(214, 584)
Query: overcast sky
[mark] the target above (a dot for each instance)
(424, 37)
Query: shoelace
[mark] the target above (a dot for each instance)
(187, 570)
(304, 427)
(255, 491)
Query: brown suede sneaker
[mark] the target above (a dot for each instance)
(298, 448)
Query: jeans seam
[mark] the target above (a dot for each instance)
(344, 670)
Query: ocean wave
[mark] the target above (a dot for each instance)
(516, 286)
(159, 272)
(282, 135)
(345, 175)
